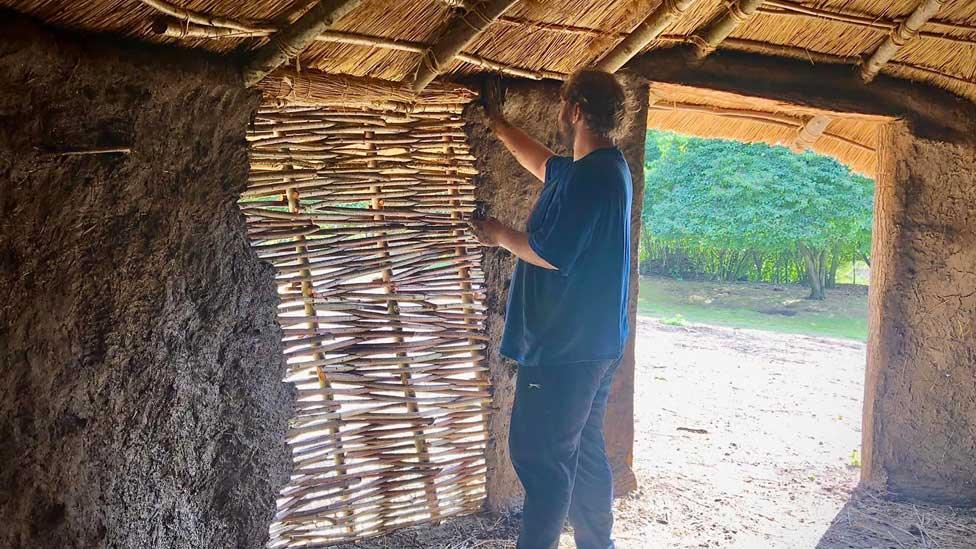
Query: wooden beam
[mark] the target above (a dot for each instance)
(169, 26)
(661, 18)
(461, 31)
(932, 113)
(708, 39)
(810, 132)
(901, 35)
(791, 8)
(190, 16)
(763, 117)
(291, 40)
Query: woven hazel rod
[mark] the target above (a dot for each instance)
(418, 256)
(464, 274)
(664, 16)
(364, 362)
(369, 500)
(361, 438)
(322, 541)
(340, 244)
(899, 37)
(334, 260)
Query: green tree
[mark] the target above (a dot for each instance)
(740, 203)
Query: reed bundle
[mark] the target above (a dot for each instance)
(360, 203)
(353, 94)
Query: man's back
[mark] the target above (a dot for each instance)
(581, 225)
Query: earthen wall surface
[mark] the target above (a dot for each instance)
(920, 399)
(140, 359)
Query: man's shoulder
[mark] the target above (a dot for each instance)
(558, 167)
(603, 169)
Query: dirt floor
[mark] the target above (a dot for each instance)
(745, 439)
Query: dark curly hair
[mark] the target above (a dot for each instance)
(601, 99)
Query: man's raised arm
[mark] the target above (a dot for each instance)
(531, 154)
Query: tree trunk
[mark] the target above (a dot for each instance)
(814, 260)
(758, 260)
(831, 281)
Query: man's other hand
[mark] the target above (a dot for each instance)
(488, 231)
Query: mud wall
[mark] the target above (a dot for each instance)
(920, 396)
(510, 193)
(140, 360)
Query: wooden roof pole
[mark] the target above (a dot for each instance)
(649, 29)
(291, 40)
(810, 132)
(462, 30)
(901, 35)
(708, 39)
(755, 116)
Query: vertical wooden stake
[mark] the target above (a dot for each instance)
(393, 308)
(308, 293)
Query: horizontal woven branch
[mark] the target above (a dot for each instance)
(359, 203)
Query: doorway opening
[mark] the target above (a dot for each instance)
(752, 320)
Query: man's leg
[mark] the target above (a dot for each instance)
(552, 404)
(591, 511)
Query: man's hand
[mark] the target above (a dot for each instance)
(488, 231)
(491, 232)
(531, 154)
(492, 100)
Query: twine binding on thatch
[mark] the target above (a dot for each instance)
(899, 36)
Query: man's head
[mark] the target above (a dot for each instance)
(592, 100)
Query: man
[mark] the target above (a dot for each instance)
(566, 320)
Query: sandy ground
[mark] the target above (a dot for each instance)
(744, 439)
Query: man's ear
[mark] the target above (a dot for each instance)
(577, 113)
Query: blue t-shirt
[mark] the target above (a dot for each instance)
(581, 225)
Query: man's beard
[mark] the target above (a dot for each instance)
(565, 132)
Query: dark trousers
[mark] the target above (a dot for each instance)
(557, 447)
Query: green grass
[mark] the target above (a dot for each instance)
(777, 308)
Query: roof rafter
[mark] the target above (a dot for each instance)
(461, 31)
(898, 37)
(291, 40)
(169, 26)
(650, 28)
(754, 116)
(709, 38)
(810, 132)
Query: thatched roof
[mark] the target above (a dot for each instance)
(931, 41)
(560, 35)
(850, 138)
